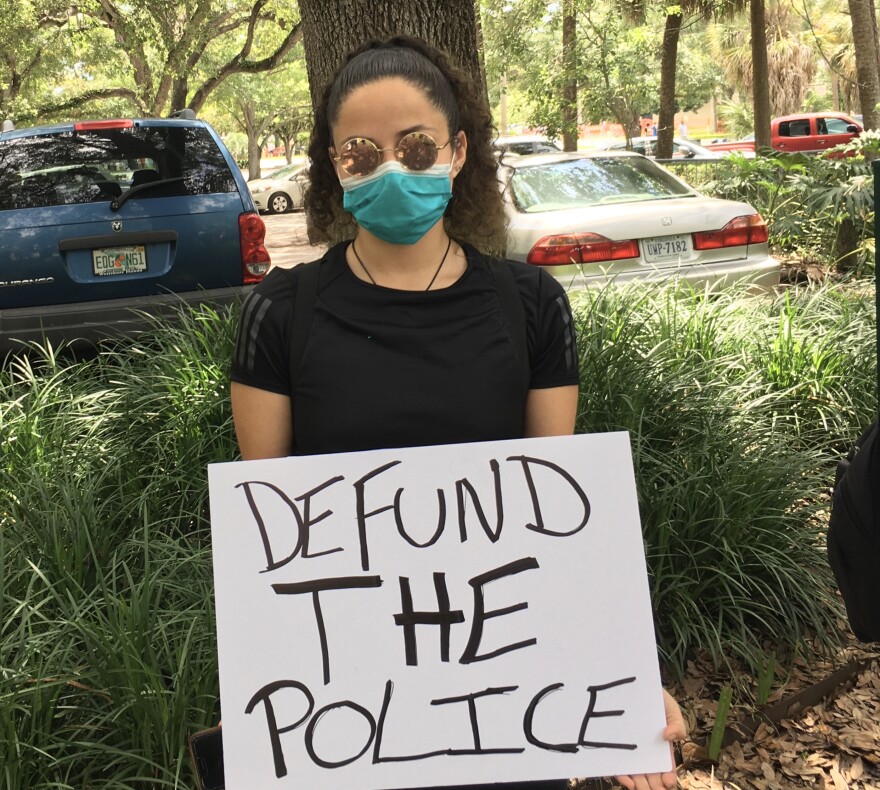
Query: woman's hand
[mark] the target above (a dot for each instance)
(675, 731)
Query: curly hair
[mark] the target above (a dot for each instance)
(475, 213)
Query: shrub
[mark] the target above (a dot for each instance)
(736, 409)
(817, 207)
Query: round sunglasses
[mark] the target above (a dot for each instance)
(415, 151)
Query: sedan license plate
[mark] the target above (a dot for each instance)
(666, 248)
(119, 260)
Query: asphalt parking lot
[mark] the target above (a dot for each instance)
(287, 241)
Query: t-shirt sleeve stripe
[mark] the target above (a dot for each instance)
(568, 333)
(249, 330)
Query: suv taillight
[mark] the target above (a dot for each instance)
(254, 255)
(737, 233)
(122, 123)
(580, 248)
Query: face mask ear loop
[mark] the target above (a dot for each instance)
(455, 147)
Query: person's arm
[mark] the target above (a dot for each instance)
(263, 422)
(551, 411)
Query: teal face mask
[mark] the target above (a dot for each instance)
(398, 205)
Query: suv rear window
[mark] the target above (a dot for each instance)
(69, 167)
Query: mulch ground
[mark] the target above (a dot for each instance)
(834, 744)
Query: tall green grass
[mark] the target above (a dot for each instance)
(107, 641)
(737, 409)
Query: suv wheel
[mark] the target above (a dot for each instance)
(279, 203)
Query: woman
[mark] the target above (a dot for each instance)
(410, 341)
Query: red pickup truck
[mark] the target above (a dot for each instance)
(808, 133)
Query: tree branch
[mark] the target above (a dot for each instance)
(110, 15)
(238, 66)
(87, 96)
(177, 66)
(818, 42)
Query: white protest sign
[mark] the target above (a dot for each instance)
(435, 616)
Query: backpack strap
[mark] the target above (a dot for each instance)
(511, 303)
(304, 308)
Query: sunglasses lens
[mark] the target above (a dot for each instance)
(416, 151)
(359, 157)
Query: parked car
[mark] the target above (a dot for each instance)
(281, 191)
(101, 221)
(681, 148)
(744, 146)
(808, 133)
(523, 145)
(591, 217)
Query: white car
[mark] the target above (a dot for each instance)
(681, 149)
(282, 191)
(523, 145)
(591, 217)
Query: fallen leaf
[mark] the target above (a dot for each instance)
(856, 769)
(839, 782)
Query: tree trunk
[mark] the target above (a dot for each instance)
(332, 28)
(481, 50)
(253, 140)
(569, 77)
(502, 106)
(9, 92)
(666, 127)
(866, 61)
(178, 93)
(872, 11)
(846, 245)
(760, 75)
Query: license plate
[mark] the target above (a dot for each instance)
(119, 260)
(666, 248)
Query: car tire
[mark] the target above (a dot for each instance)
(278, 203)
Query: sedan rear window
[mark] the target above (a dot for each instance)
(589, 182)
(70, 167)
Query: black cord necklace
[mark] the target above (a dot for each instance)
(367, 271)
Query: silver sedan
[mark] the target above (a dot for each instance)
(592, 217)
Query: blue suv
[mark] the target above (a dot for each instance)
(102, 222)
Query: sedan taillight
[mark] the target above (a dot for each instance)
(580, 248)
(737, 233)
(254, 255)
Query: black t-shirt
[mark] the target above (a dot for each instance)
(389, 368)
